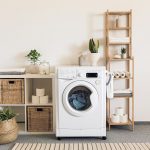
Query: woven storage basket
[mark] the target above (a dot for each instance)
(40, 119)
(11, 91)
(8, 131)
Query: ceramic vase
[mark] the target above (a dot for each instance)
(33, 68)
(94, 58)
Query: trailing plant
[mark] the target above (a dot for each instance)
(6, 114)
(93, 46)
(33, 56)
(123, 50)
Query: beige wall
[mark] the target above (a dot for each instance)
(60, 30)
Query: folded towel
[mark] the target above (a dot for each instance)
(123, 91)
(13, 71)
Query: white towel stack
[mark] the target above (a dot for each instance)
(40, 97)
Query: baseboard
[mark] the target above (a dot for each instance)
(142, 122)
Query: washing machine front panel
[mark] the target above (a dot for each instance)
(80, 98)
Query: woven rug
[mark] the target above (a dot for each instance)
(82, 146)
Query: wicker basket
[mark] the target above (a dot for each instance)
(40, 119)
(11, 91)
(8, 131)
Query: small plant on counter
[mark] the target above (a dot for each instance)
(93, 46)
(33, 56)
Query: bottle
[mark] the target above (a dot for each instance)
(44, 67)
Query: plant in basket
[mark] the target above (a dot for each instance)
(8, 126)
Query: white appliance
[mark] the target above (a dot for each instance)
(81, 102)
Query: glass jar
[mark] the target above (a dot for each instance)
(44, 68)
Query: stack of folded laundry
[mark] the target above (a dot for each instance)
(14, 71)
(123, 93)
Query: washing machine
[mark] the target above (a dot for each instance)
(81, 102)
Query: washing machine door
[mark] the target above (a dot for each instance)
(80, 98)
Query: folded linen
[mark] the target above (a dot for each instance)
(123, 91)
(12, 71)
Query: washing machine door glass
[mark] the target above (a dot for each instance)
(80, 98)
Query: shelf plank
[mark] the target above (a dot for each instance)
(119, 43)
(118, 28)
(24, 76)
(3, 105)
(119, 13)
(126, 123)
(122, 96)
(30, 104)
(120, 59)
(126, 78)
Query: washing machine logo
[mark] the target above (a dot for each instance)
(79, 98)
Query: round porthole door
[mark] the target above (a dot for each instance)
(80, 98)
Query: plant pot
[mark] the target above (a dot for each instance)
(8, 131)
(33, 68)
(123, 55)
(94, 58)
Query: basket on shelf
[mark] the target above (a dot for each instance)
(8, 131)
(11, 91)
(40, 119)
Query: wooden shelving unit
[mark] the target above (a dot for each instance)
(31, 82)
(129, 61)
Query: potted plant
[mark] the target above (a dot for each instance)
(123, 53)
(33, 56)
(8, 126)
(94, 49)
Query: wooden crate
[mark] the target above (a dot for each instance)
(40, 119)
(11, 91)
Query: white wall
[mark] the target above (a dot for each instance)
(60, 30)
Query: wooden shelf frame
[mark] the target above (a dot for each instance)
(28, 78)
(129, 61)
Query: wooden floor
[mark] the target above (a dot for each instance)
(82, 146)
